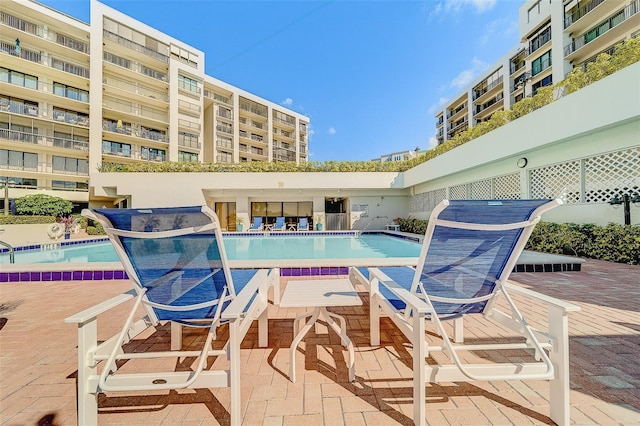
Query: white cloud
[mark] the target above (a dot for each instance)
(465, 77)
(496, 29)
(456, 6)
(331, 131)
(287, 102)
(433, 142)
(437, 107)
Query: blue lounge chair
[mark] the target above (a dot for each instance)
(470, 248)
(176, 261)
(279, 225)
(303, 224)
(257, 224)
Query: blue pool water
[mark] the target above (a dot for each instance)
(247, 248)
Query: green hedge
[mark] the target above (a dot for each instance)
(25, 220)
(614, 242)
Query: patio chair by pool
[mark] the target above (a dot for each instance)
(257, 224)
(176, 261)
(280, 225)
(303, 224)
(470, 248)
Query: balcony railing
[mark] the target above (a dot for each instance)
(71, 118)
(539, 41)
(286, 122)
(129, 108)
(603, 27)
(188, 142)
(189, 107)
(225, 114)
(574, 15)
(224, 129)
(21, 24)
(453, 112)
(18, 107)
(23, 52)
(134, 66)
(38, 31)
(480, 108)
(254, 109)
(42, 140)
(188, 124)
(134, 87)
(487, 88)
(135, 46)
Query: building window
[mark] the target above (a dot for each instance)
(547, 81)
(70, 165)
(18, 78)
(63, 185)
(19, 160)
(153, 154)
(188, 84)
(70, 92)
(116, 148)
(187, 157)
(541, 63)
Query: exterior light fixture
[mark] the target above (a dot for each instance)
(625, 200)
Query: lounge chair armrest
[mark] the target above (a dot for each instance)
(237, 306)
(94, 311)
(415, 303)
(547, 300)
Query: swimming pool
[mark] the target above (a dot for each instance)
(346, 246)
(296, 254)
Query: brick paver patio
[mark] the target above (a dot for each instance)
(38, 364)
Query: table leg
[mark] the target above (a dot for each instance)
(298, 337)
(296, 322)
(346, 342)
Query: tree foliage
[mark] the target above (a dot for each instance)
(43, 205)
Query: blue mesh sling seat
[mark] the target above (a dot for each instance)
(470, 248)
(257, 224)
(176, 261)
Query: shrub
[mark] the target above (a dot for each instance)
(95, 228)
(41, 204)
(25, 220)
(414, 226)
(613, 242)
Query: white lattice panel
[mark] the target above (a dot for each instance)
(426, 201)
(507, 187)
(458, 192)
(557, 180)
(611, 174)
(434, 198)
(481, 190)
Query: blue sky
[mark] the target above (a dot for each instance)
(369, 74)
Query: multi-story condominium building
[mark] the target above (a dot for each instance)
(399, 155)
(75, 95)
(556, 36)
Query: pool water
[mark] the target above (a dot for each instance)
(247, 248)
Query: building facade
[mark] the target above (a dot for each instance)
(75, 95)
(556, 37)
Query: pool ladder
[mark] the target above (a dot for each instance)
(12, 258)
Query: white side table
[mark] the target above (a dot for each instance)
(320, 294)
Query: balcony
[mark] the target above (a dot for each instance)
(185, 141)
(134, 66)
(453, 112)
(287, 123)
(580, 18)
(135, 88)
(615, 25)
(489, 106)
(19, 107)
(129, 108)
(224, 129)
(254, 109)
(189, 108)
(478, 93)
(122, 41)
(38, 31)
(42, 140)
(71, 118)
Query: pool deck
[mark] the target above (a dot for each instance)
(38, 364)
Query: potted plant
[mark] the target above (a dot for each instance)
(317, 220)
(239, 224)
(69, 223)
